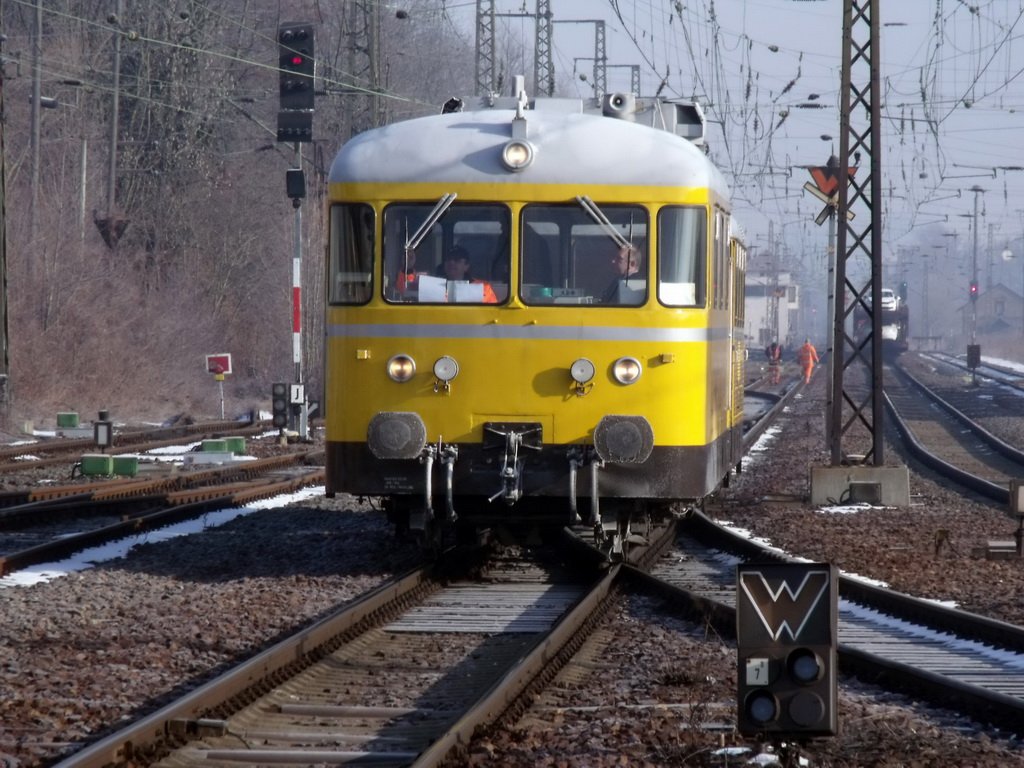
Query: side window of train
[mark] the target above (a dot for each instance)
(682, 256)
(719, 287)
(461, 256)
(739, 268)
(574, 255)
(725, 261)
(351, 254)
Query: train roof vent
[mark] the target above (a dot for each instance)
(686, 119)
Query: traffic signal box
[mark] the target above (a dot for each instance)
(786, 626)
(279, 404)
(973, 356)
(297, 68)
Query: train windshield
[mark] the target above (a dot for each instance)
(584, 254)
(446, 252)
(682, 255)
(351, 254)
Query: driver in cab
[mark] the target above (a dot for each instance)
(456, 268)
(625, 266)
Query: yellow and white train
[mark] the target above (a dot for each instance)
(534, 309)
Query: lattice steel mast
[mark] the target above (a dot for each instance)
(486, 61)
(854, 414)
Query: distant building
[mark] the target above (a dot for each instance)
(772, 307)
(999, 313)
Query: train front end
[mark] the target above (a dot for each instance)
(540, 378)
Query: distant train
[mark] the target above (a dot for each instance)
(895, 323)
(534, 313)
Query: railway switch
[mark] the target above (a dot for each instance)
(786, 625)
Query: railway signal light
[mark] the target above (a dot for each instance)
(974, 290)
(295, 125)
(279, 404)
(296, 64)
(295, 183)
(973, 356)
(786, 626)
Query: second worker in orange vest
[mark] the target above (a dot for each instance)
(807, 356)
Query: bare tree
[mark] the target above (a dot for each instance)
(204, 264)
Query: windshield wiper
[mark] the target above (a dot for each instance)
(442, 205)
(598, 216)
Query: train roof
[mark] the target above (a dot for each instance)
(570, 148)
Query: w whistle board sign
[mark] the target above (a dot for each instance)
(786, 627)
(785, 603)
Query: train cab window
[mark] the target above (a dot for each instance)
(682, 256)
(452, 253)
(579, 254)
(351, 254)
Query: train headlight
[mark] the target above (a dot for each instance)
(446, 368)
(401, 368)
(627, 370)
(582, 371)
(517, 154)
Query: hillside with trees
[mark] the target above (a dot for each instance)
(128, 262)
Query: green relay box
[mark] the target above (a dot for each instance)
(101, 464)
(67, 420)
(97, 464)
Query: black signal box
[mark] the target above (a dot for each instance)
(786, 627)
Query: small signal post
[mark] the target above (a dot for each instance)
(297, 73)
(220, 366)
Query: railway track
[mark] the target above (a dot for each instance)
(944, 434)
(59, 521)
(956, 659)
(988, 371)
(348, 723)
(763, 401)
(448, 667)
(404, 676)
(991, 395)
(214, 719)
(50, 452)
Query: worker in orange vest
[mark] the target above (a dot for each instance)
(807, 356)
(774, 354)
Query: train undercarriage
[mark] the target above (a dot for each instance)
(619, 525)
(617, 487)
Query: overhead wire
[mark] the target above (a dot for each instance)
(746, 139)
(686, 47)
